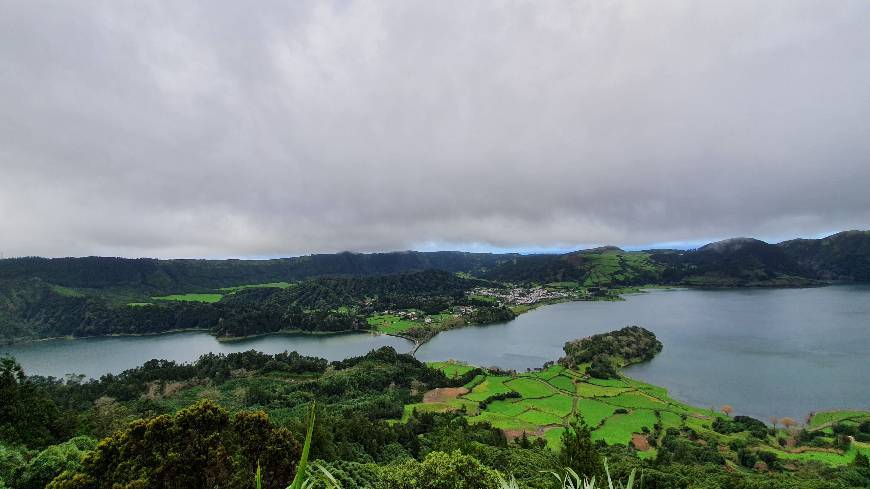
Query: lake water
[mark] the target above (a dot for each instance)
(782, 352)
(94, 357)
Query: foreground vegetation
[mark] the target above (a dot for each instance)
(386, 420)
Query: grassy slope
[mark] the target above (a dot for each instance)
(553, 397)
(215, 296)
(616, 267)
(209, 298)
(827, 417)
(275, 285)
(390, 323)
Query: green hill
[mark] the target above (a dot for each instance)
(736, 262)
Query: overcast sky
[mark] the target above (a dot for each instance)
(214, 129)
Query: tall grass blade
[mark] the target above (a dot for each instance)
(302, 468)
(607, 471)
(630, 483)
(331, 482)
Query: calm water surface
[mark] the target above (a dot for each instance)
(94, 357)
(782, 352)
(779, 352)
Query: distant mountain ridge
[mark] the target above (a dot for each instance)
(842, 257)
(191, 274)
(735, 262)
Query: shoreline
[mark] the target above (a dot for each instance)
(518, 309)
(109, 335)
(285, 332)
(221, 339)
(416, 344)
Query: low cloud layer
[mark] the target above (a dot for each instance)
(211, 128)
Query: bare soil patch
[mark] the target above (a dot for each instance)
(444, 394)
(639, 442)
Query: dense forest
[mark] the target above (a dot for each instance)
(169, 276)
(212, 422)
(843, 256)
(607, 352)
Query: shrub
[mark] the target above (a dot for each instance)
(54, 460)
(440, 470)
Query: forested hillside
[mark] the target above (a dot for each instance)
(600, 267)
(843, 256)
(34, 309)
(186, 275)
(734, 262)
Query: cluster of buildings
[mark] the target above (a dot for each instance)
(519, 295)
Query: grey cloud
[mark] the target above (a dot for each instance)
(281, 128)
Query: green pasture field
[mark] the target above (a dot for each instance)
(391, 324)
(594, 412)
(614, 267)
(825, 417)
(531, 388)
(608, 382)
(539, 418)
(507, 408)
(503, 422)
(551, 372)
(617, 429)
(270, 285)
(585, 389)
(491, 385)
(207, 298)
(636, 400)
(211, 298)
(564, 383)
(452, 369)
(830, 458)
(550, 399)
(477, 380)
(559, 405)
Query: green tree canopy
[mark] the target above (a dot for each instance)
(201, 446)
(579, 452)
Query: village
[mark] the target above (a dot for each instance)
(523, 295)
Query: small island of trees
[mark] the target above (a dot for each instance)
(609, 351)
